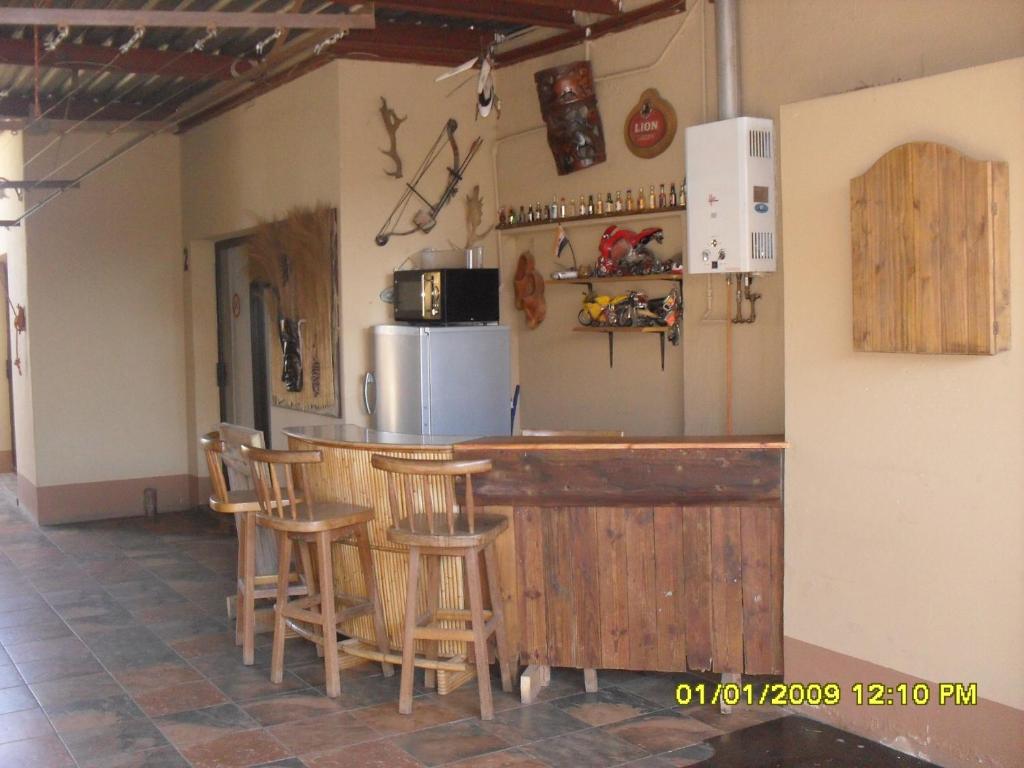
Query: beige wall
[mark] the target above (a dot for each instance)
(904, 533)
(368, 194)
(12, 243)
(316, 140)
(106, 319)
(254, 163)
(789, 50)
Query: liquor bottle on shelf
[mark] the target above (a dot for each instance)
(682, 193)
(562, 209)
(529, 215)
(522, 215)
(609, 206)
(672, 196)
(618, 202)
(572, 207)
(512, 215)
(540, 213)
(599, 205)
(651, 203)
(582, 209)
(661, 196)
(590, 206)
(629, 199)
(641, 201)
(553, 210)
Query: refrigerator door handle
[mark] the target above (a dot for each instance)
(369, 380)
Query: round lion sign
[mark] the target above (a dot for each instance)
(650, 125)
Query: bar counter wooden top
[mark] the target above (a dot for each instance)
(641, 553)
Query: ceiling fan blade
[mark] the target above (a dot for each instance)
(458, 70)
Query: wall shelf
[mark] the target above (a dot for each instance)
(611, 330)
(661, 277)
(644, 214)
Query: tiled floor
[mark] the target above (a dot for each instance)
(117, 654)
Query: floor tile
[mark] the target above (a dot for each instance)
(246, 684)
(372, 754)
(57, 693)
(426, 713)
(32, 615)
(184, 729)
(93, 713)
(466, 699)
(50, 629)
(24, 724)
(662, 731)
(55, 669)
(677, 758)
(40, 650)
(161, 675)
(247, 748)
(179, 698)
(9, 676)
(741, 716)
(448, 743)
(525, 724)
(292, 706)
(160, 757)
(103, 743)
(322, 734)
(592, 748)
(510, 758)
(660, 688)
(220, 641)
(608, 705)
(43, 752)
(16, 698)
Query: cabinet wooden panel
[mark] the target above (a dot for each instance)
(930, 245)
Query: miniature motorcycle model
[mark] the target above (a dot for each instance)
(624, 252)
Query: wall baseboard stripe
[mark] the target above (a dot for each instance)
(985, 735)
(80, 502)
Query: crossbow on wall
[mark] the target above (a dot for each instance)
(425, 218)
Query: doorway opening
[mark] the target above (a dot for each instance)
(242, 353)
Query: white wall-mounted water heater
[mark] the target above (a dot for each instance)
(730, 196)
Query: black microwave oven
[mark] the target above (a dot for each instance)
(446, 296)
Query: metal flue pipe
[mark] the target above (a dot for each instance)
(728, 59)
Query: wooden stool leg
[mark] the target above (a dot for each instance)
(408, 640)
(284, 559)
(498, 610)
(239, 577)
(327, 615)
(247, 608)
(362, 535)
(433, 569)
(309, 575)
(476, 610)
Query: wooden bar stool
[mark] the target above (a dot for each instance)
(244, 505)
(428, 522)
(299, 524)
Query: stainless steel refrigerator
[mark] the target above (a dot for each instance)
(451, 380)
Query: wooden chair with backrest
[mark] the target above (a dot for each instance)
(302, 524)
(250, 585)
(432, 525)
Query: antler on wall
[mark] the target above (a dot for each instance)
(391, 123)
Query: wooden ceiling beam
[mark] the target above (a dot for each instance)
(388, 42)
(605, 7)
(23, 108)
(418, 38)
(143, 61)
(108, 17)
(620, 23)
(505, 11)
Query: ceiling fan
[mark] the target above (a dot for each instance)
(486, 98)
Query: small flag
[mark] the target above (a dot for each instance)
(561, 242)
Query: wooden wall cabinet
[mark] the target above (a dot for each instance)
(931, 253)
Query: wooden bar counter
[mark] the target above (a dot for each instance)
(627, 553)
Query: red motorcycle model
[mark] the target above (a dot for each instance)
(624, 252)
